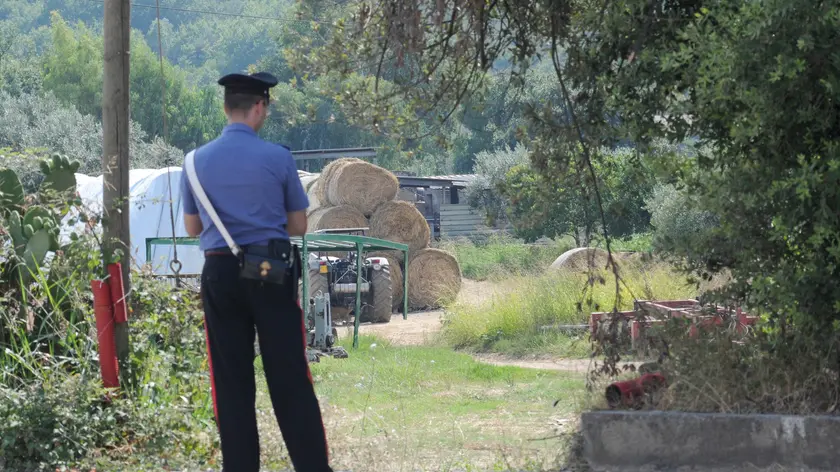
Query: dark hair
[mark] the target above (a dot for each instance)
(241, 101)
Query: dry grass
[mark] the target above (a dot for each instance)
(421, 408)
(723, 371)
(580, 258)
(312, 192)
(515, 322)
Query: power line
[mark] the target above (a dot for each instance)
(219, 13)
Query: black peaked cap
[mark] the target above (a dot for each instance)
(254, 84)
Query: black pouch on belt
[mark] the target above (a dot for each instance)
(273, 264)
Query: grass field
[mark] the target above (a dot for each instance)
(514, 321)
(425, 408)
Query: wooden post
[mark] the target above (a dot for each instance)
(115, 163)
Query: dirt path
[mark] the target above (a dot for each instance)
(421, 327)
(565, 365)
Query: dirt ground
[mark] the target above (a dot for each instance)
(421, 327)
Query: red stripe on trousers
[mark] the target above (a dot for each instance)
(212, 378)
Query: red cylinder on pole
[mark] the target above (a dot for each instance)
(104, 312)
(117, 292)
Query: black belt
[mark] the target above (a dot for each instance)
(275, 248)
(225, 251)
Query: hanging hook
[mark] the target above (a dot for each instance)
(176, 266)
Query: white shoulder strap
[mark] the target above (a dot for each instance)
(189, 164)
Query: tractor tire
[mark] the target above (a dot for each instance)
(317, 281)
(382, 296)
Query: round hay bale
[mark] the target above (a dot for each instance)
(395, 263)
(328, 172)
(579, 259)
(361, 184)
(434, 278)
(400, 222)
(336, 218)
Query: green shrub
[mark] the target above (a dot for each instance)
(57, 414)
(502, 256)
(680, 226)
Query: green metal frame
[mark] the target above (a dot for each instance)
(323, 242)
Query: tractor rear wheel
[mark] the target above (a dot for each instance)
(317, 282)
(382, 296)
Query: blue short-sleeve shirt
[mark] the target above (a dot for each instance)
(251, 183)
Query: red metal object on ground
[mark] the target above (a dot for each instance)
(117, 292)
(631, 392)
(104, 312)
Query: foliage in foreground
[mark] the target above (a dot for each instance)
(54, 410)
(57, 414)
(520, 321)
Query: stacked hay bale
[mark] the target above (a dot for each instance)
(351, 193)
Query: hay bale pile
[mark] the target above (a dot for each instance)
(352, 193)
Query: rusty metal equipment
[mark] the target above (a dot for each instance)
(648, 313)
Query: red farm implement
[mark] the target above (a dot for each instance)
(647, 314)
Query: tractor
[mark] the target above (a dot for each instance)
(337, 276)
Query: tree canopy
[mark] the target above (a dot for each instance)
(748, 88)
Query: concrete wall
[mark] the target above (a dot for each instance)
(648, 441)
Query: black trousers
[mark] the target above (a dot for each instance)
(233, 307)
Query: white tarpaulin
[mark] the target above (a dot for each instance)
(149, 217)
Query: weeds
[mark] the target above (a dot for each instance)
(535, 315)
(54, 408)
(722, 371)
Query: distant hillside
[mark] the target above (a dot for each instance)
(201, 35)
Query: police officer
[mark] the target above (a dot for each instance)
(255, 190)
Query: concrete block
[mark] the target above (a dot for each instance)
(625, 441)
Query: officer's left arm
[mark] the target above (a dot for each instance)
(192, 222)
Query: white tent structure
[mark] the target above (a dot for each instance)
(149, 217)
